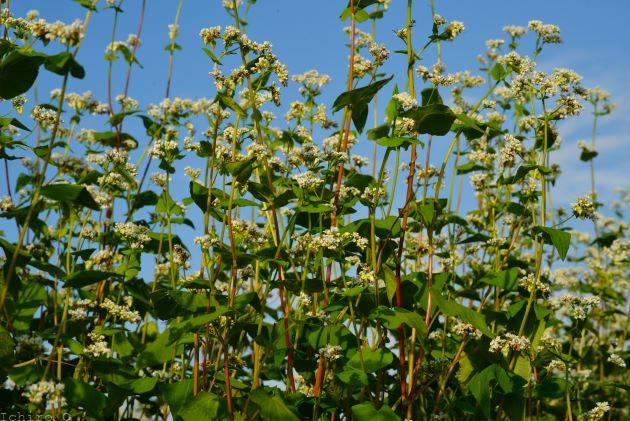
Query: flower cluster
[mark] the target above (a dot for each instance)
(330, 352)
(137, 235)
(509, 341)
(584, 208)
(98, 347)
(45, 390)
(122, 312)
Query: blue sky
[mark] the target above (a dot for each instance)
(308, 34)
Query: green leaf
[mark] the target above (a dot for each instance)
(79, 394)
(6, 346)
(118, 118)
(145, 198)
(505, 279)
(359, 116)
(153, 128)
(87, 4)
(331, 334)
(347, 12)
(396, 142)
(551, 388)
(32, 297)
(48, 268)
(204, 406)
(353, 377)
(71, 194)
(428, 211)
(272, 407)
(199, 194)
(498, 72)
(127, 141)
(523, 367)
(560, 239)
(430, 96)
(135, 385)
(357, 100)
(84, 278)
(521, 172)
(479, 387)
(469, 166)
(391, 111)
(7, 121)
(471, 128)
(159, 351)
(64, 63)
(393, 318)
(617, 385)
(194, 324)
(241, 170)
(176, 394)
(373, 360)
(229, 102)
(361, 15)
(143, 384)
(212, 56)
(18, 71)
(588, 155)
(169, 303)
(166, 203)
(434, 119)
(367, 412)
(454, 309)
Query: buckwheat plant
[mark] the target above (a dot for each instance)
(234, 257)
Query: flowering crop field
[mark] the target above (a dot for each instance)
(195, 259)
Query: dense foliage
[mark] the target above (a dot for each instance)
(319, 284)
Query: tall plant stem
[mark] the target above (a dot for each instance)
(408, 197)
(333, 215)
(134, 48)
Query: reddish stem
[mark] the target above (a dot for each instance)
(333, 215)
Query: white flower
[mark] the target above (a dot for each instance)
(137, 235)
(453, 29)
(209, 35)
(406, 100)
(462, 328)
(509, 340)
(173, 31)
(193, 173)
(251, 235)
(45, 390)
(330, 352)
(584, 208)
(493, 44)
(531, 283)
(8, 384)
(98, 347)
(304, 299)
(556, 365)
(31, 345)
(311, 79)
(123, 312)
(515, 31)
(510, 151)
(548, 33)
(308, 180)
(207, 241)
(598, 412)
(6, 204)
(160, 179)
(617, 360)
